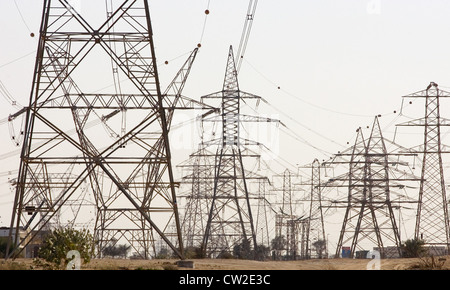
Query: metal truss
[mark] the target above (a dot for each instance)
(126, 162)
(432, 220)
(369, 219)
(288, 223)
(230, 219)
(199, 181)
(316, 228)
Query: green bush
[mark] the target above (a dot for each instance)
(61, 241)
(3, 247)
(413, 248)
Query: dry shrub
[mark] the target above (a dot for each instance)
(430, 263)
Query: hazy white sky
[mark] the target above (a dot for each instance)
(326, 67)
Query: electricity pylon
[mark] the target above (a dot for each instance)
(369, 218)
(230, 219)
(316, 228)
(288, 223)
(130, 171)
(199, 180)
(432, 220)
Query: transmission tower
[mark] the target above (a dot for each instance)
(230, 219)
(369, 218)
(263, 213)
(432, 221)
(199, 180)
(130, 171)
(288, 223)
(316, 228)
(284, 223)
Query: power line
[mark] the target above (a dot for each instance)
(207, 11)
(17, 59)
(23, 18)
(8, 97)
(246, 33)
(303, 100)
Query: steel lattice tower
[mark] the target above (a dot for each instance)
(262, 213)
(200, 183)
(316, 228)
(129, 172)
(199, 180)
(432, 221)
(288, 224)
(220, 198)
(286, 220)
(230, 217)
(379, 179)
(369, 215)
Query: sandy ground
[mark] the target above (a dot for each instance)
(231, 264)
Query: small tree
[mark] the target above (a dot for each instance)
(116, 251)
(224, 254)
(413, 248)
(61, 241)
(164, 253)
(243, 250)
(261, 252)
(4, 246)
(278, 244)
(320, 247)
(193, 253)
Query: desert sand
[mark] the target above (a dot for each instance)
(233, 264)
